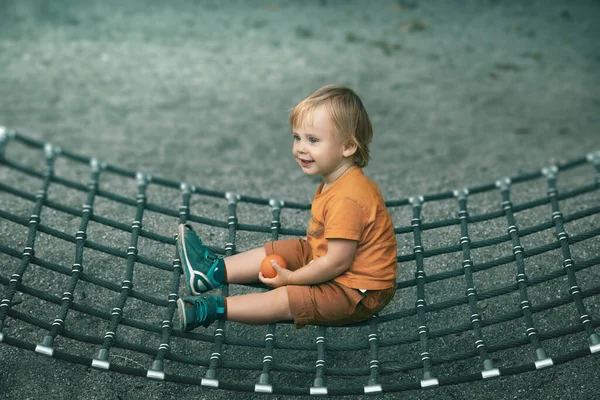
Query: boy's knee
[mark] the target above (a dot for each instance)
(281, 292)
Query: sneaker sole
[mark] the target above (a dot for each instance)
(181, 313)
(188, 272)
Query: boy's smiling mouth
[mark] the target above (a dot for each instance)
(305, 163)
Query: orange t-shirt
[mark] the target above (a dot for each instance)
(352, 208)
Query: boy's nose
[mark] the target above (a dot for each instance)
(301, 147)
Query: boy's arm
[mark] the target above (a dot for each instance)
(339, 258)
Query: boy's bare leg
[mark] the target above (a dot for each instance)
(244, 267)
(254, 308)
(260, 308)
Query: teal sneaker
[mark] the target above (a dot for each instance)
(199, 264)
(197, 310)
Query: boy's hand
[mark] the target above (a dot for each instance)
(283, 277)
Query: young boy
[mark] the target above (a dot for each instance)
(344, 270)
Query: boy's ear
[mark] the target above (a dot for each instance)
(350, 148)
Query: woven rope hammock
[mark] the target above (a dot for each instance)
(97, 284)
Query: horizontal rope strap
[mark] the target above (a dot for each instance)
(125, 200)
(389, 387)
(285, 231)
(85, 310)
(78, 213)
(333, 347)
(168, 183)
(493, 348)
(88, 243)
(108, 195)
(503, 260)
(277, 366)
(497, 214)
(85, 277)
(393, 368)
(385, 369)
(124, 344)
(127, 228)
(504, 238)
(461, 328)
(566, 299)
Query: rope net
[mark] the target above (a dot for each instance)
(494, 280)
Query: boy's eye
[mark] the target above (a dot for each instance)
(312, 140)
(296, 138)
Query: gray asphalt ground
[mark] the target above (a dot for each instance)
(460, 93)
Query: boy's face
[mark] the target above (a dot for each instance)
(319, 150)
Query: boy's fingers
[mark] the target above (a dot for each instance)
(275, 265)
(265, 280)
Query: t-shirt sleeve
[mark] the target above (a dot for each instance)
(344, 219)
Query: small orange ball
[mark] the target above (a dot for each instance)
(267, 269)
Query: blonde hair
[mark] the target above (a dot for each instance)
(348, 116)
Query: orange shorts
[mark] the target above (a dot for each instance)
(328, 303)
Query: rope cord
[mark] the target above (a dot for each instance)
(518, 250)
(50, 153)
(428, 379)
(46, 347)
(101, 361)
(382, 356)
(563, 237)
(471, 292)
